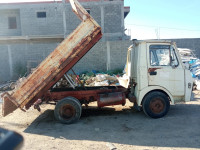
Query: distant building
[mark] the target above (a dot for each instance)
(56, 18)
(30, 31)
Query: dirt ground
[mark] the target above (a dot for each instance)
(118, 127)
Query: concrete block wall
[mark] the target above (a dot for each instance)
(72, 21)
(118, 53)
(4, 65)
(192, 43)
(107, 14)
(14, 56)
(112, 23)
(50, 25)
(104, 56)
(95, 59)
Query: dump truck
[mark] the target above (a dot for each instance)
(154, 77)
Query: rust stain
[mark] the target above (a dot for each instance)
(152, 69)
(67, 66)
(107, 99)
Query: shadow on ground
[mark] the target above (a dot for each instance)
(180, 128)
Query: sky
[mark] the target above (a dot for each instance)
(159, 19)
(164, 19)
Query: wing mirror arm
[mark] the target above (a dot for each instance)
(173, 66)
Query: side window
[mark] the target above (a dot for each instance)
(153, 59)
(159, 55)
(174, 60)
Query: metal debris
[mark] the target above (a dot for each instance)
(192, 63)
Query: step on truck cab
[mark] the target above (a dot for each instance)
(156, 76)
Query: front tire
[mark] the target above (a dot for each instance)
(68, 110)
(156, 104)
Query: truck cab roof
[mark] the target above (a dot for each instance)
(152, 41)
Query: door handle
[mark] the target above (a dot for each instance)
(153, 73)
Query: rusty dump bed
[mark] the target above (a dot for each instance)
(61, 60)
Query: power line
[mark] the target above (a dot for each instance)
(164, 27)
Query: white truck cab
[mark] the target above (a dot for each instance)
(156, 76)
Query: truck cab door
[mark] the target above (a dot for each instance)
(165, 70)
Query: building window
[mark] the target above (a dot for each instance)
(12, 23)
(41, 14)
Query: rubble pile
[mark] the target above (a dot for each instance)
(85, 79)
(7, 86)
(63, 82)
(192, 63)
(11, 85)
(90, 79)
(101, 80)
(109, 78)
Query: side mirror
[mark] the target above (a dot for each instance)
(172, 62)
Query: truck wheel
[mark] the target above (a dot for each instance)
(68, 110)
(156, 105)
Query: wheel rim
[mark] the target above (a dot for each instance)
(157, 105)
(67, 111)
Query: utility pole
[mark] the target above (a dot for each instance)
(157, 30)
(64, 19)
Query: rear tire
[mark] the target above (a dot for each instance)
(156, 104)
(68, 110)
